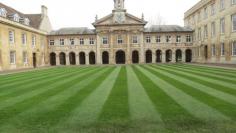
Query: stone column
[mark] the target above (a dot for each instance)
(112, 54)
(128, 61)
(87, 59)
(183, 56)
(58, 60)
(153, 57)
(77, 58)
(173, 57)
(141, 42)
(163, 57)
(98, 53)
(67, 59)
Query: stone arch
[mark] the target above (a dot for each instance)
(82, 60)
(62, 57)
(72, 58)
(148, 56)
(178, 55)
(92, 58)
(135, 57)
(158, 56)
(120, 57)
(168, 55)
(53, 59)
(105, 57)
(188, 54)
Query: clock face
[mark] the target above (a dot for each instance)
(120, 17)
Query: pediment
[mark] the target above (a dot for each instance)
(129, 19)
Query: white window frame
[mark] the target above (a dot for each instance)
(135, 39)
(72, 41)
(25, 57)
(105, 40)
(24, 39)
(62, 42)
(119, 39)
(12, 57)
(168, 39)
(205, 13)
(205, 31)
(91, 41)
(222, 25)
(233, 2)
(81, 41)
(158, 39)
(222, 49)
(178, 39)
(16, 17)
(234, 48)
(233, 22)
(213, 9)
(148, 39)
(188, 38)
(11, 37)
(3, 12)
(213, 29)
(222, 4)
(51, 42)
(33, 40)
(213, 50)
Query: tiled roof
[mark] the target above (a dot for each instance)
(73, 31)
(35, 19)
(167, 28)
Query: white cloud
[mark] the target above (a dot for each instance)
(81, 13)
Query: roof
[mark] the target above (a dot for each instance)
(35, 19)
(167, 28)
(73, 31)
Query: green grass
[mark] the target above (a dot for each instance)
(110, 99)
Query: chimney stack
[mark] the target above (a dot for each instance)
(44, 10)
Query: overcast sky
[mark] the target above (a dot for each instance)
(81, 13)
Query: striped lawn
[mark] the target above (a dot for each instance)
(134, 98)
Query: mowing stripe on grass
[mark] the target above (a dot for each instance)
(40, 90)
(200, 80)
(141, 108)
(195, 107)
(25, 73)
(13, 78)
(207, 96)
(212, 68)
(89, 109)
(33, 101)
(142, 111)
(23, 82)
(19, 90)
(211, 91)
(210, 72)
(207, 75)
(116, 107)
(219, 82)
(67, 100)
(173, 115)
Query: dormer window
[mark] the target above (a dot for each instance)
(16, 17)
(3, 12)
(26, 21)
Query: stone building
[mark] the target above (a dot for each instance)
(23, 38)
(121, 38)
(214, 26)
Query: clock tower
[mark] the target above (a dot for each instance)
(119, 11)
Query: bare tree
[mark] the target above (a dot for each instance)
(157, 20)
